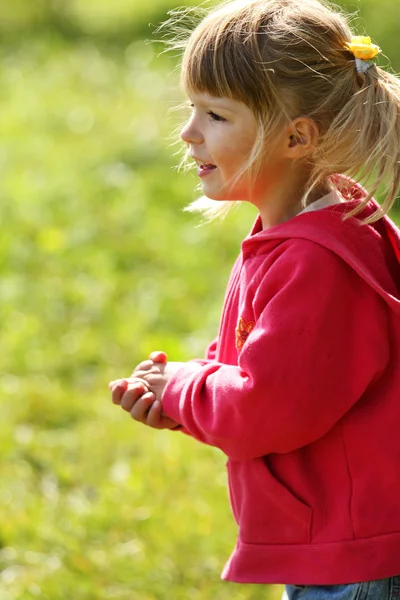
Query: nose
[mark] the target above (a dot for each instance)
(191, 134)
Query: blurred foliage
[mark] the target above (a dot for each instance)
(99, 266)
(118, 21)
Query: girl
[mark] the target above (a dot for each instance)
(301, 388)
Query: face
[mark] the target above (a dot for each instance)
(220, 135)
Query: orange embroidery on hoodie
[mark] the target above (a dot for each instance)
(242, 332)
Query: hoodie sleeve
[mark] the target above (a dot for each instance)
(212, 350)
(210, 356)
(320, 339)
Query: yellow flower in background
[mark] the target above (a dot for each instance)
(362, 47)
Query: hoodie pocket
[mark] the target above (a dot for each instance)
(265, 510)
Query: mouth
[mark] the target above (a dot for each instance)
(205, 168)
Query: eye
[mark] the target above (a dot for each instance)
(215, 117)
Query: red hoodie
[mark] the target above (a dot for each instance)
(302, 392)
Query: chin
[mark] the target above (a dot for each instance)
(221, 196)
(217, 198)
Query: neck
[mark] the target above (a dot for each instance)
(283, 200)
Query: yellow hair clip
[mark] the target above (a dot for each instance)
(364, 50)
(362, 47)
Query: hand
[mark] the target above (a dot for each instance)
(134, 396)
(155, 375)
(118, 387)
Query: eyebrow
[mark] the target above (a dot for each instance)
(215, 102)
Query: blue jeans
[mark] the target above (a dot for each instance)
(384, 589)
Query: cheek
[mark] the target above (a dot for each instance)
(233, 156)
(244, 148)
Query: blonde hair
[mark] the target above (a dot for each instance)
(287, 58)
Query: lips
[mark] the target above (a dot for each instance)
(203, 164)
(207, 167)
(204, 168)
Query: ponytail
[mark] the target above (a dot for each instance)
(363, 141)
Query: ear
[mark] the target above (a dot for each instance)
(301, 138)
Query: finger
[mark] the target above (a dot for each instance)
(158, 356)
(118, 390)
(141, 408)
(139, 374)
(145, 365)
(154, 415)
(114, 383)
(132, 395)
(157, 419)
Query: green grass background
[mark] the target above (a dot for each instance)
(99, 266)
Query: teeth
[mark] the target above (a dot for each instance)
(204, 165)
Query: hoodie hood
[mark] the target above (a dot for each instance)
(371, 250)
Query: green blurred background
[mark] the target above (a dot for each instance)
(99, 266)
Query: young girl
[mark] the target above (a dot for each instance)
(301, 388)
